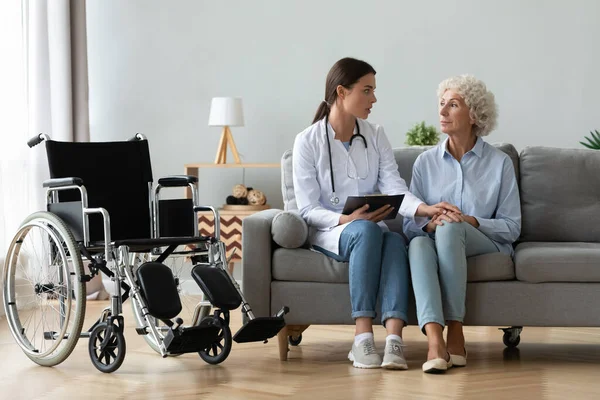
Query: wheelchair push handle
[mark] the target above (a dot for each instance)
(138, 136)
(37, 139)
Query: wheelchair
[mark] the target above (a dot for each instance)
(102, 207)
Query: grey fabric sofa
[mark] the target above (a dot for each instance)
(553, 280)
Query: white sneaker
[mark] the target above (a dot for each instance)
(364, 355)
(393, 355)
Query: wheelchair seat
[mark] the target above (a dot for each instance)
(141, 245)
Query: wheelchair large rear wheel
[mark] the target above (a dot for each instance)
(44, 296)
(193, 306)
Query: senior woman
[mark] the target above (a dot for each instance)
(480, 180)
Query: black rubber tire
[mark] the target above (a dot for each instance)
(295, 341)
(509, 341)
(116, 342)
(220, 349)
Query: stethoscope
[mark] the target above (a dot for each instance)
(334, 199)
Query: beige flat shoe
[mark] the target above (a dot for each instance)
(459, 361)
(437, 365)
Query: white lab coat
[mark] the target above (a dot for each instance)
(312, 180)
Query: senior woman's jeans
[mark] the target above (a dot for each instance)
(439, 270)
(378, 266)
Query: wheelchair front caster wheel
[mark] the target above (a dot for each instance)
(107, 347)
(511, 341)
(218, 351)
(295, 340)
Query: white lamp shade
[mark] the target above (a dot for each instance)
(226, 111)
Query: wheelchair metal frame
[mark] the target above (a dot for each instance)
(120, 271)
(120, 263)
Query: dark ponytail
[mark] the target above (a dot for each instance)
(345, 72)
(322, 111)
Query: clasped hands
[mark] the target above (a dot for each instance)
(444, 211)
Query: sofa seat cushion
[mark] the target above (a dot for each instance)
(538, 262)
(490, 267)
(302, 265)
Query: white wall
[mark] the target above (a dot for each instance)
(155, 65)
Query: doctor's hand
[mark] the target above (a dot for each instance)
(425, 210)
(362, 213)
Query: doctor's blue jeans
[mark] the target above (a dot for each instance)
(439, 270)
(378, 267)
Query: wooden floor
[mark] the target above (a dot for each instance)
(551, 363)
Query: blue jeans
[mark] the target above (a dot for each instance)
(378, 265)
(439, 270)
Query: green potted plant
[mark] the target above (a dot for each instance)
(422, 135)
(594, 142)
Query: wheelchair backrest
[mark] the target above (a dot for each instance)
(117, 177)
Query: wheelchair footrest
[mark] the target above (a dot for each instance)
(191, 339)
(259, 329)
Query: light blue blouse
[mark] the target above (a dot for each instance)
(482, 184)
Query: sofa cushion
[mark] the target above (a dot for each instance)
(538, 262)
(303, 265)
(289, 230)
(559, 195)
(490, 267)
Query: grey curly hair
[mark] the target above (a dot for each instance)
(481, 102)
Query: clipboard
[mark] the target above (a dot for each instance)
(374, 201)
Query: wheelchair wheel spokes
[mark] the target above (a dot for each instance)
(107, 347)
(219, 350)
(43, 293)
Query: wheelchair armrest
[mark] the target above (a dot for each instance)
(60, 182)
(217, 219)
(203, 208)
(177, 180)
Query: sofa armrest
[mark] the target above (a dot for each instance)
(257, 254)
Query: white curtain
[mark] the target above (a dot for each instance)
(44, 89)
(14, 160)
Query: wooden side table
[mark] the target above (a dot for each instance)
(231, 228)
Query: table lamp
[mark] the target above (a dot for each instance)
(226, 112)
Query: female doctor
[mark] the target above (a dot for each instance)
(343, 155)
